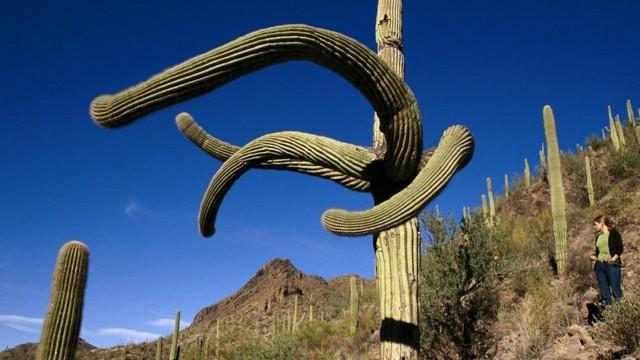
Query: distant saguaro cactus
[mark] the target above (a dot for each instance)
(527, 174)
(355, 298)
(613, 132)
(485, 210)
(558, 207)
(543, 161)
(506, 186)
(61, 327)
(175, 346)
(401, 177)
(630, 115)
(294, 324)
(620, 131)
(492, 203)
(589, 185)
(159, 349)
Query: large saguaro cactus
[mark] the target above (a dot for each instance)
(61, 327)
(401, 178)
(558, 207)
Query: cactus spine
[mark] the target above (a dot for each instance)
(506, 186)
(175, 348)
(527, 174)
(587, 168)
(61, 327)
(159, 349)
(492, 203)
(620, 131)
(630, 116)
(613, 132)
(354, 306)
(558, 206)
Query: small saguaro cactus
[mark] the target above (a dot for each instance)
(218, 330)
(401, 177)
(506, 186)
(558, 207)
(543, 161)
(615, 141)
(620, 131)
(638, 134)
(589, 185)
(61, 327)
(354, 308)
(630, 115)
(294, 324)
(175, 346)
(159, 349)
(492, 203)
(527, 174)
(485, 210)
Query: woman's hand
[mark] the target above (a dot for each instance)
(614, 259)
(594, 258)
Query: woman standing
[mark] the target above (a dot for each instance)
(607, 257)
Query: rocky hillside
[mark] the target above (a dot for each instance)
(266, 303)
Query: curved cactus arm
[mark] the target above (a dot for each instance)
(390, 97)
(222, 151)
(319, 150)
(453, 152)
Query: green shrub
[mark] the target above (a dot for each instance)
(457, 288)
(621, 324)
(624, 163)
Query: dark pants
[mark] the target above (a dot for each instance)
(608, 276)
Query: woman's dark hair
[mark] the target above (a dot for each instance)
(606, 220)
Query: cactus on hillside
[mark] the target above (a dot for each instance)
(630, 115)
(613, 132)
(485, 210)
(354, 308)
(294, 324)
(543, 161)
(61, 327)
(589, 185)
(175, 346)
(527, 174)
(492, 203)
(620, 132)
(558, 207)
(506, 186)
(159, 349)
(401, 177)
(218, 330)
(638, 134)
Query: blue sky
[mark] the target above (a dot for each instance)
(132, 194)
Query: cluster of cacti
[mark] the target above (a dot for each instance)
(527, 174)
(61, 327)
(354, 306)
(397, 147)
(175, 346)
(558, 211)
(589, 185)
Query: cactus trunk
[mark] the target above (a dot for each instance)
(527, 174)
(613, 132)
(159, 349)
(492, 203)
(558, 207)
(354, 306)
(506, 186)
(61, 327)
(620, 131)
(485, 209)
(630, 116)
(587, 168)
(173, 355)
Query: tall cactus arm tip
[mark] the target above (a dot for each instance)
(453, 152)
